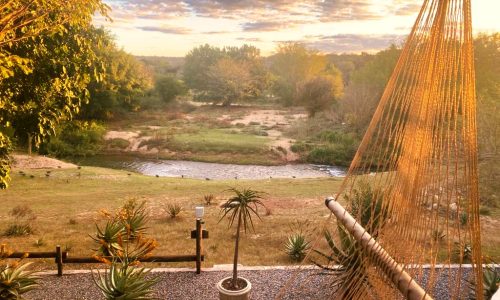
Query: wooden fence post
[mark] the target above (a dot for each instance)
(198, 246)
(59, 261)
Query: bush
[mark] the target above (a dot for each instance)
(22, 223)
(174, 210)
(18, 230)
(76, 139)
(118, 143)
(208, 199)
(296, 247)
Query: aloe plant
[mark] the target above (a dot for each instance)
(491, 283)
(296, 246)
(240, 207)
(122, 246)
(15, 280)
(125, 282)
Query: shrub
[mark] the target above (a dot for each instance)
(18, 230)
(208, 199)
(118, 143)
(438, 235)
(464, 218)
(296, 246)
(484, 211)
(173, 210)
(77, 138)
(39, 242)
(22, 223)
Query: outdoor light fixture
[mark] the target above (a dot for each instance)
(199, 211)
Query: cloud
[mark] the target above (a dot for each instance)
(259, 11)
(249, 39)
(353, 42)
(166, 30)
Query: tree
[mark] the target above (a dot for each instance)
(229, 81)
(366, 87)
(169, 87)
(63, 65)
(487, 64)
(23, 21)
(240, 207)
(124, 82)
(197, 66)
(319, 93)
(292, 65)
(202, 63)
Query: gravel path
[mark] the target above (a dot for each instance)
(266, 284)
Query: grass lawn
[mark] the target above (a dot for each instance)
(67, 205)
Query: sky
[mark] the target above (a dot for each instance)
(173, 27)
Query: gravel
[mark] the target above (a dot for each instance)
(266, 284)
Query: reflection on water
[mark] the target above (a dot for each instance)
(202, 170)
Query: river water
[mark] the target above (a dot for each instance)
(202, 170)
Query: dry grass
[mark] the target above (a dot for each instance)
(67, 207)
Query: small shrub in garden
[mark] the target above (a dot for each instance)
(174, 210)
(208, 199)
(438, 235)
(22, 221)
(296, 246)
(464, 218)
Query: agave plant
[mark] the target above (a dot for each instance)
(15, 280)
(125, 282)
(343, 258)
(491, 283)
(240, 207)
(296, 246)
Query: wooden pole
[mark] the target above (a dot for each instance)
(394, 271)
(59, 261)
(198, 245)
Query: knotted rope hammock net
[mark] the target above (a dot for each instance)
(412, 187)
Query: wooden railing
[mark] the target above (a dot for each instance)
(62, 257)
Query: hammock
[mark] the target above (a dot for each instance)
(412, 187)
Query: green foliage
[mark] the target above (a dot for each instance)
(366, 205)
(168, 88)
(329, 147)
(5, 148)
(294, 66)
(77, 138)
(127, 225)
(124, 84)
(319, 93)
(125, 282)
(343, 257)
(225, 74)
(296, 246)
(118, 143)
(15, 280)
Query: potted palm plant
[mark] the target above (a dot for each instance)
(239, 208)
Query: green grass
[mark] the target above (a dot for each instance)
(67, 205)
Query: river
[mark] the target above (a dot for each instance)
(202, 170)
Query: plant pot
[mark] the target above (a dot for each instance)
(225, 294)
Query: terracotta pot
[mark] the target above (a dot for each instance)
(243, 294)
